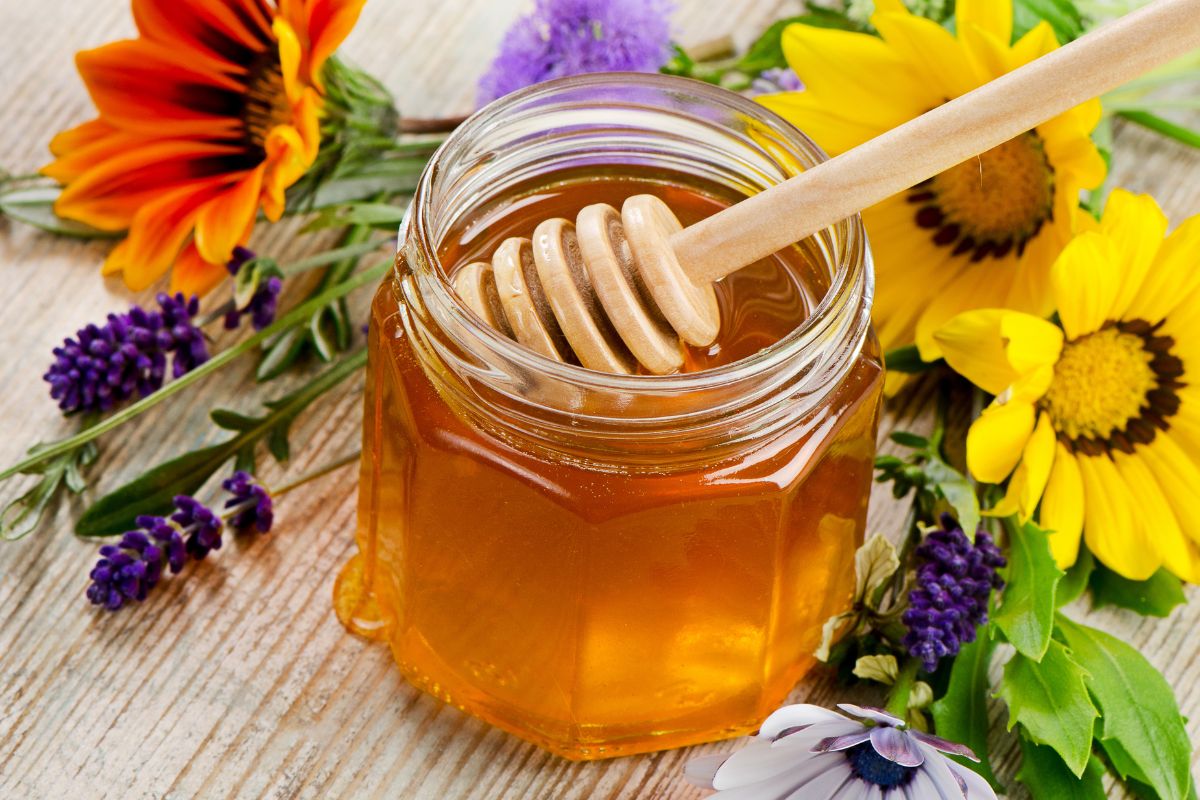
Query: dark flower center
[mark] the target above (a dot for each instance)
(265, 103)
(1114, 388)
(990, 205)
(871, 767)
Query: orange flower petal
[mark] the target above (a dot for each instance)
(141, 85)
(73, 164)
(222, 222)
(193, 275)
(83, 135)
(109, 194)
(220, 30)
(286, 163)
(158, 232)
(329, 23)
(307, 119)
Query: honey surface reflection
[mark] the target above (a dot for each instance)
(604, 611)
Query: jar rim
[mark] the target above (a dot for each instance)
(847, 279)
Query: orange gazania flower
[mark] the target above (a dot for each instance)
(209, 115)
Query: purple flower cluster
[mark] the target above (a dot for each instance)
(249, 504)
(573, 37)
(128, 570)
(107, 364)
(263, 304)
(951, 598)
(776, 79)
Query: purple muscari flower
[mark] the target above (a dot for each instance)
(263, 304)
(199, 524)
(249, 505)
(776, 79)
(107, 364)
(572, 37)
(129, 569)
(951, 598)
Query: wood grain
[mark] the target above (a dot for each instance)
(236, 681)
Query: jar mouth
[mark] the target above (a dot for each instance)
(843, 244)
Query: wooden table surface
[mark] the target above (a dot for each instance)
(235, 680)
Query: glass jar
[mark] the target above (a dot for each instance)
(608, 564)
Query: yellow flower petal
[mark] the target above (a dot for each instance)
(993, 16)
(835, 131)
(1039, 41)
(1112, 525)
(290, 56)
(1031, 342)
(1179, 476)
(970, 289)
(1179, 554)
(1135, 225)
(996, 439)
(1173, 277)
(973, 345)
(1029, 480)
(941, 59)
(1086, 280)
(1061, 511)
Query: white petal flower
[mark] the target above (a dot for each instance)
(805, 751)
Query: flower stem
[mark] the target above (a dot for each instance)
(1162, 126)
(349, 458)
(297, 315)
(897, 704)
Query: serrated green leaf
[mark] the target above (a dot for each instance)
(1026, 613)
(1141, 730)
(1047, 777)
(1051, 701)
(961, 714)
(1153, 597)
(957, 491)
(1075, 582)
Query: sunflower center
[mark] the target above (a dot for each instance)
(991, 204)
(265, 104)
(871, 767)
(1114, 388)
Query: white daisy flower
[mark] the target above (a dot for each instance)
(809, 752)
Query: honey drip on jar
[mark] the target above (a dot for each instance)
(600, 612)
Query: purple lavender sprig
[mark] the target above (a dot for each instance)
(128, 570)
(951, 596)
(573, 37)
(263, 303)
(103, 365)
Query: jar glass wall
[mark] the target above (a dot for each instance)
(609, 564)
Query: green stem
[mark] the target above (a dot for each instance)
(349, 458)
(1162, 126)
(897, 704)
(299, 314)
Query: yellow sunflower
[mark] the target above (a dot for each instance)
(981, 234)
(1096, 420)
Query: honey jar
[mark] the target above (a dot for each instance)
(610, 564)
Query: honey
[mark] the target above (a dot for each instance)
(602, 564)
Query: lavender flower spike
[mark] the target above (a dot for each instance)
(199, 524)
(263, 304)
(573, 37)
(128, 570)
(249, 503)
(951, 597)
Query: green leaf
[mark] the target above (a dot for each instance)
(1047, 777)
(1026, 613)
(232, 421)
(1075, 581)
(906, 359)
(767, 50)
(1141, 728)
(376, 215)
(1153, 597)
(908, 439)
(23, 514)
(961, 714)
(35, 206)
(152, 491)
(1062, 15)
(1050, 700)
(957, 491)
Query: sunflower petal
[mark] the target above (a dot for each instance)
(1029, 480)
(1087, 281)
(1179, 476)
(996, 439)
(1173, 277)
(1135, 225)
(1112, 525)
(1061, 512)
(973, 345)
(989, 15)
(1180, 555)
(941, 59)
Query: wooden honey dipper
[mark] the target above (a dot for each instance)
(619, 289)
